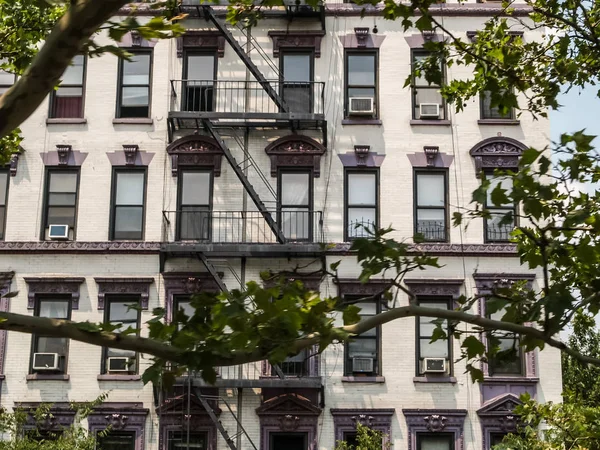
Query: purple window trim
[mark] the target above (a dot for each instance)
(186, 283)
(349, 159)
(502, 122)
(5, 282)
(61, 416)
(64, 156)
(47, 377)
(442, 160)
(371, 41)
(435, 287)
(498, 417)
(345, 420)
(115, 377)
(435, 421)
(292, 39)
(119, 158)
(195, 151)
(431, 122)
(133, 121)
(134, 40)
(355, 379)
(201, 40)
(126, 286)
(434, 379)
(121, 417)
(52, 286)
(498, 152)
(352, 286)
(295, 150)
(418, 40)
(362, 121)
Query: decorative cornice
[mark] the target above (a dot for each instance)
(418, 40)
(350, 159)
(498, 152)
(419, 159)
(53, 285)
(351, 40)
(64, 156)
(122, 417)
(201, 40)
(295, 150)
(59, 417)
(487, 282)
(435, 421)
(435, 287)
(31, 247)
(130, 156)
(443, 249)
(445, 9)
(472, 35)
(309, 39)
(311, 282)
(351, 286)
(135, 286)
(195, 150)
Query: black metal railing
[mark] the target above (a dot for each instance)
(293, 368)
(432, 230)
(245, 97)
(363, 228)
(498, 233)
(248, 227)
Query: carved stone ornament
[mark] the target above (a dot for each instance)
(116, 421)
(497, 416)
(486, 283)
(13, 163)
(435, 422)
(345, 421)
(289, 422)
(310, 40)
(127, 286)
(79, 247)
(295, 151)
(201, 40)
(59, 417)
(497, 153)
(130, 154)
(124, 416)
(136, 38)
(195, 150)
(435, 287)
(55, 286)
(351, 286)
(310, 281)
(63, 154)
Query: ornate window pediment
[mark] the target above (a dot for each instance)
(310, 40)
(295, 151)
(54, 285)
(435, 287)
(195, 150)
(435, 421)
(497, 153)
(120, 417)
(183, 283)
(288, 404)
(497, 416)
(126, 286)
(201, 40)
(346, 420)
(61, 416)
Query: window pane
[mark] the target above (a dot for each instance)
(429, 96)
(361, 92)
(496, 231)
(367, 308)
(361, 216)
(74, 73)
(119, 311)
(128, 222)
(135, 96)
(434, 443)
(137, 71)
(431, 223)
(504, 183)
(117, 440)
(362, 347)
(295, 189)
(6, 78)
(61, 215)
(63, 182)
(55, 309)
(69, 92)
(3, 187)
(52, 345)
(179, 441)
(130, 188)
(200, 67)
(296, 67)
(421, 81)
(361, 70)
(295, 223)
(430, 189)
(437, 349)
(195, 188)
(194, 223)
(186, 307)
(61, 199)
(362, 189)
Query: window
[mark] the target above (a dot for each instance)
(7, 79)
(60, 207)
(508, 359)
(179, 440)
(437, 441)
(128, 204)
(296, 85)
(117, 440)
(294, 366)
(362, 200)
(49, 354)
(361, 84)
(363, 352)
(199, 78)
(495, 231)
(4, 178)
(134, 85)
(195, 204)
(431, 206)
(183, 303)
(295, 203)
(427, 349)
(67, 100)
(427, 99)
(496, 438)
(288, 441)
(492, 112)
(118, 311)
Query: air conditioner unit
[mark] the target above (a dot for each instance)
(45, 361)
(434, 365)
(118, 364)
(361, 106)
(362, 364)
(429, 110)
(58, 231)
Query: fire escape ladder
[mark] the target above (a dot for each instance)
(209, 14)
(213, 272)
(245, 182)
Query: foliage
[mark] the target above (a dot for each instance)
(366, 439)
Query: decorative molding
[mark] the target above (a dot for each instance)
(201, 40)
(472, 35)
(133, 39)
(295, 150)
(350, 159)
(122, 417)
(443, 9)
(103, 247)
(53, 286)
(370, 41)
(435, 287)
(310, 40)
(497, 152)
(418, 40)
(345, 420)
(497, 416)
(310, 281)
(130, 156)
(435, 421)
(13, 163)
(133, 286)
(59, 417)
(64, 155)
(195, 150)
(351, 286)
(442, 160)
(186, 283)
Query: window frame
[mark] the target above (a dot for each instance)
(113, 199)
(311, 83)
(51, 103)
(46, 205)
(5, 205)
(514, 209)
(482, 108)
(522, 372)
(414, 88)
(353, 52)
(420, 435)
(110, 298)
(347, 206)
(180, 205)
(418, 337)
(309, 209)
(445, 208)
(120, 86)
(170, 433)
(377, 367)
(131, 433)
(184, 74)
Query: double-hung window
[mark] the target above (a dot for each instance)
(493, 112)
(363, 352)
(67, 100)
(195, 204)
(182, 440)
(60, 205)
(296, 83)
(508, 357)
(361, 84)
(134, 87)
(4, 179)
(295, 203)
(428, 102)
(362, 200)
(495, 229)
(199, 78)
(49, 354)
(431, 205)
(435, 441)
(128, 204)
(117, 440)
(433, 358)
(119, 311)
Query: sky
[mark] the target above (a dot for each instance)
(581, 109)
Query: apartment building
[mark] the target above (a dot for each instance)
(207, 159)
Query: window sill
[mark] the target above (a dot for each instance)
(47, 376)
(351, 379)
(361, 122)
(2, 377)
(508, 379)
(134, 121)
(112, 377)
(66, 121)
(431, 123)
(430, 379)
(498, 122)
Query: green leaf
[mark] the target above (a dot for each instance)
(473, 347)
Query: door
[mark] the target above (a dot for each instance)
(297, 86)
(289, 441)
(199, 82)
(194, 211)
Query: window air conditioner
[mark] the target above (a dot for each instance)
(361, 106)
(58, 231)
(45, 361)
(118, 364)
(362, 364)
(434, 365)
(429, 110)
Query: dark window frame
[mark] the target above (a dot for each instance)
(272, 434)
(414, 88)
(347, 207)
(353, 52)
(377, 366)
(483, 110)
(184, 76)
(418, 337)
(107, 304)
(4, 207)
(311, 83)
(113, 200)
(51, 106)
(514, 209)
(522, 372)
(309, 208)
(449, 436)
(120, 85)
(46, 205)
(446, 208)
(131, 433)
(180, 205)
(170, 445)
